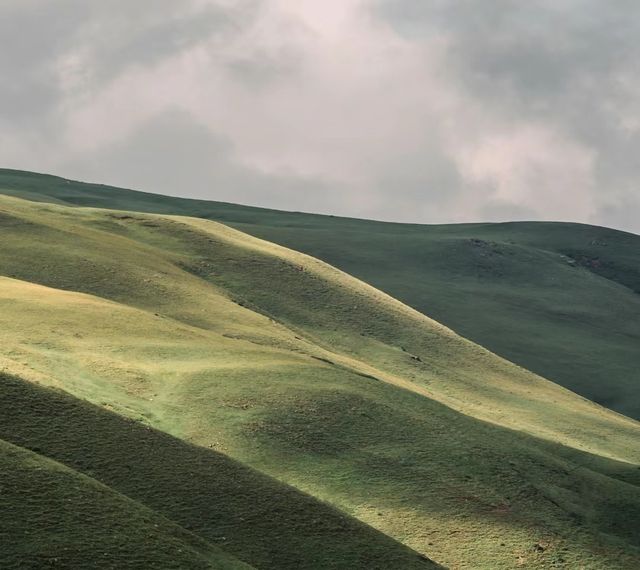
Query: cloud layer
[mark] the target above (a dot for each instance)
(410, 110)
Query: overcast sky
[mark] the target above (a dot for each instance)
(407, 110)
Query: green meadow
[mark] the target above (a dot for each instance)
(204, 398)
(558, 299)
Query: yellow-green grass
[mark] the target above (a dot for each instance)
(559, 299)
(294, 368)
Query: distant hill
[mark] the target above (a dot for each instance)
(560, 299)
(282, 413)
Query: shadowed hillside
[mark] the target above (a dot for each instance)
(54, 517)
(221, 502)
(289, 366)
(558, 299)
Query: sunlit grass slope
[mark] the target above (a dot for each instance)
(559, 299)
(292, 367)
(67, 517)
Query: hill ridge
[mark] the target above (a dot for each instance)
(248, 386)
(539, 311)
(130, 458)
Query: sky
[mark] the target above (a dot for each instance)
(430, 111)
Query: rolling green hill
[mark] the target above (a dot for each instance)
(272, 361)
(559, 299)
(127, 493)
(54, 517)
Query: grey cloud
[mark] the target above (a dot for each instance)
(261, 70)
(176, 155)
(623, 212)
(417, 186)
(105, 38)
(32, 34)
(536, 56)
(149, 35)
(571, 65)
(517, 102)
(501, 210)
(173, 154)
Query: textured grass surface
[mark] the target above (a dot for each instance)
(222, 503)
(53, 517)
(558, 299)
(286, 365)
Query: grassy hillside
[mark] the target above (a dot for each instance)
(54, 517)
(289, 366)
(229, 510)
(559, 299)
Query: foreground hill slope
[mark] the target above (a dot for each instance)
(127, 493)
(561, 300)
(296, 369)
(54, 517)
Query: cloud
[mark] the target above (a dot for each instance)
(411, 110)
(561, 68)
(529, 168)
(202, 163)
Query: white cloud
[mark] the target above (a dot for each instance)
(533, 168)
(415, 110)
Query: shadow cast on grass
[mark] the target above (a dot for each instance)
(258, 519)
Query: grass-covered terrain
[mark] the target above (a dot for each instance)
(128, 493)
(235, 356)
(54, 517)
(562, 300)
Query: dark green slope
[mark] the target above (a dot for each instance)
(562, 300)
(222, 504)
(66, 520)
(545, 296)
